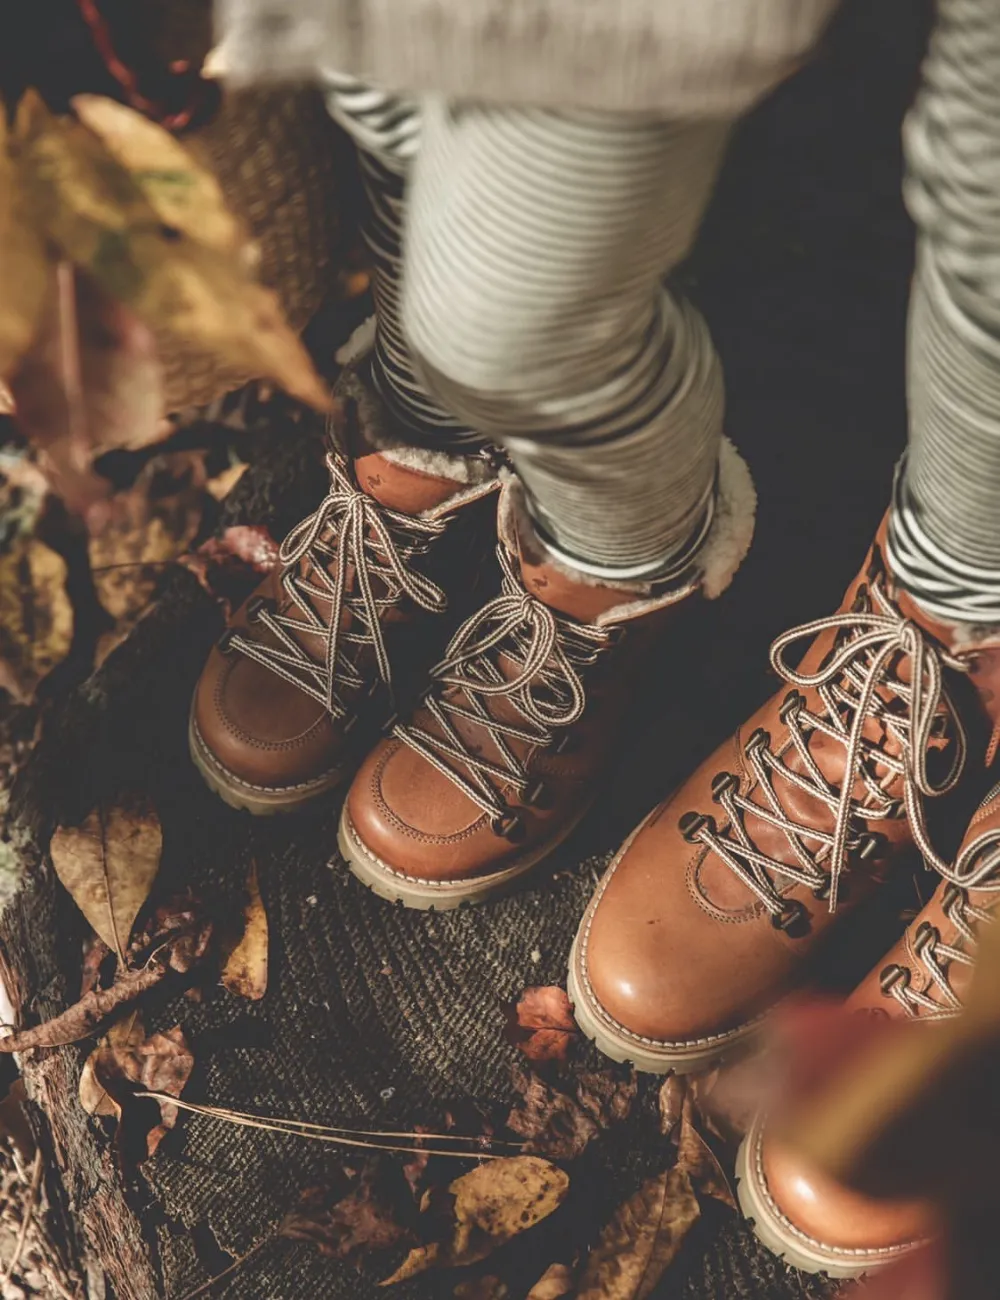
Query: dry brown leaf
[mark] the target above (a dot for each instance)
(487, 1287)
(108, 865)
(222, 484)
(344, 1227)
(144, 529)
(24, 267)
(182, 193)
(541, 1023)
(493, 1203)
(245, 970)
(641, 1241)
(229, 567)
(36, 617)
(161, 1063)
(672, 1094)
(562, 1125)
(94, 953)
(81, 1019)
(557, 1281)
(699, 1160)
(97, 214)
(90, 382)
(728, 1098)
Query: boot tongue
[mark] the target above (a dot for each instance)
(581, 598)
(398, 487)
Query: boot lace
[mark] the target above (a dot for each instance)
(976, 868)
(546, 694)
(860, 681)
(351, 557)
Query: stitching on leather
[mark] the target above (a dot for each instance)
(845, 1252)
(230, 776)
(467, 884)
(246, 738)
(403, 827)
(711, 1039)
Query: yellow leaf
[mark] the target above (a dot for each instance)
(93, 209)
(178, 188)
(36, 617)
(245, 971)
(493, 1203)
(108, 865)
(641, 1241)
(23, 265)
(557, 1281)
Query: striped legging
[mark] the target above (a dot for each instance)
(532, 310)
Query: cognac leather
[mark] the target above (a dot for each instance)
(924, 976)
(259, 739)
(677, 958)
(412, 821)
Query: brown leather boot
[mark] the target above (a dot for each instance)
(814, 1222)
(711, 908)
(311, 666)
(502, 759)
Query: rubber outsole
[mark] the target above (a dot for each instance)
(431, 895)
(796, 1248)
(259, 803)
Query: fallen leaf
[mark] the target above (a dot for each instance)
(90, 382)
(81, 1019)
(222, 484)
(728, 1097)
(108, 865)
(24, 268)
(487, 1287)
(562, 1125)
(492, 1204)
(641, 1241)
(345, 1227)
(697, 1158)
(541, 1023)
(672, 1094)
(245, 970)
(36, 617)
(177, 931)
(93, 209)
(145, 528)
(230, 566)
(557, 1281)
(181, 192)
(161, 1063)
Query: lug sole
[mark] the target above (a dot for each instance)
(797, 1248)
(257, 802)
(431, 896)
(648, 1057)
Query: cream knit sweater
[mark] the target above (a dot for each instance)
(679, 58)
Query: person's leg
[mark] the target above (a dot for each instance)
(944, 538)
(533, 302)
(387, 131)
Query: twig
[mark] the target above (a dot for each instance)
(29, 1210)
(230, 1268)
(327, 1133)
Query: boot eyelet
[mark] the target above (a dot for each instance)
(870, 845)
(257, 606)
(925, 935)
(822, 891)
(537, 796)
(225, 642)
(952, 893)
(692, 823)
(790, 705)
(724, 783)
(508, 827)
(892, 975)
(792, 918)
(758, 739)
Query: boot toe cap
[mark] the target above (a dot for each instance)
(259, 729)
